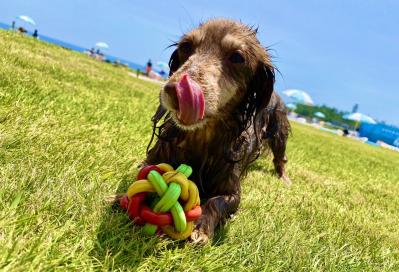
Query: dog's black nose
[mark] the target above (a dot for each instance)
(170, 90)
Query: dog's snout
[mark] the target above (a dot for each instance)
(170, 88)
(170, 91)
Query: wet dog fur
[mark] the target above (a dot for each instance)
(243, 116)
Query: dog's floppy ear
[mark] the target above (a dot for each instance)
(259, 92)
(262, 85)
(257, 97)
(174, 62)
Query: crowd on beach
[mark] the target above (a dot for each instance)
(97, 54)
(152, 74)
(23, 30)
(148, 72)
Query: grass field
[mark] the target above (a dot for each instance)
(73, 130)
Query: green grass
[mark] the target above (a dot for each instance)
(73, 130)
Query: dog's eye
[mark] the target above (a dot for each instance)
(236, 57)
(185, 48)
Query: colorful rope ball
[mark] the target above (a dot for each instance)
(164, 200)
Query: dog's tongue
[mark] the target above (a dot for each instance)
(191, 101)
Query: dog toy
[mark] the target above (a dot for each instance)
(163, 200)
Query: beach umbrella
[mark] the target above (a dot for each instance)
(360, 118)
(290, 106)
(162, 66)
(320, 114)
(299, 96)
(102, 45)
(26, 19)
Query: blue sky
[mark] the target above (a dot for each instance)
(340, 52)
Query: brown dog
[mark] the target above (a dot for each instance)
(219, 112)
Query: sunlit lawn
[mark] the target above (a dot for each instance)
(73, 130)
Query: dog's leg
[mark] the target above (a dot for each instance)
(278, 128)
(279, 158)
(214, 212)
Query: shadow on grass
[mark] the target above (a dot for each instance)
(120, 244)
(220, 235)
(259, 165)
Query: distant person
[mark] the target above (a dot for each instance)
(21, 30)
(35, 34)
(162, 73)
(99, 55)
(92, 52)
(13, 25)
(148, 68)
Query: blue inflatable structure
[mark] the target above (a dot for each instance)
(380, 132)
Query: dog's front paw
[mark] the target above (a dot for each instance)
(203, 230)
(198, 236)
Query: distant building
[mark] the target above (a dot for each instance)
(355, 108)
(380, 132)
